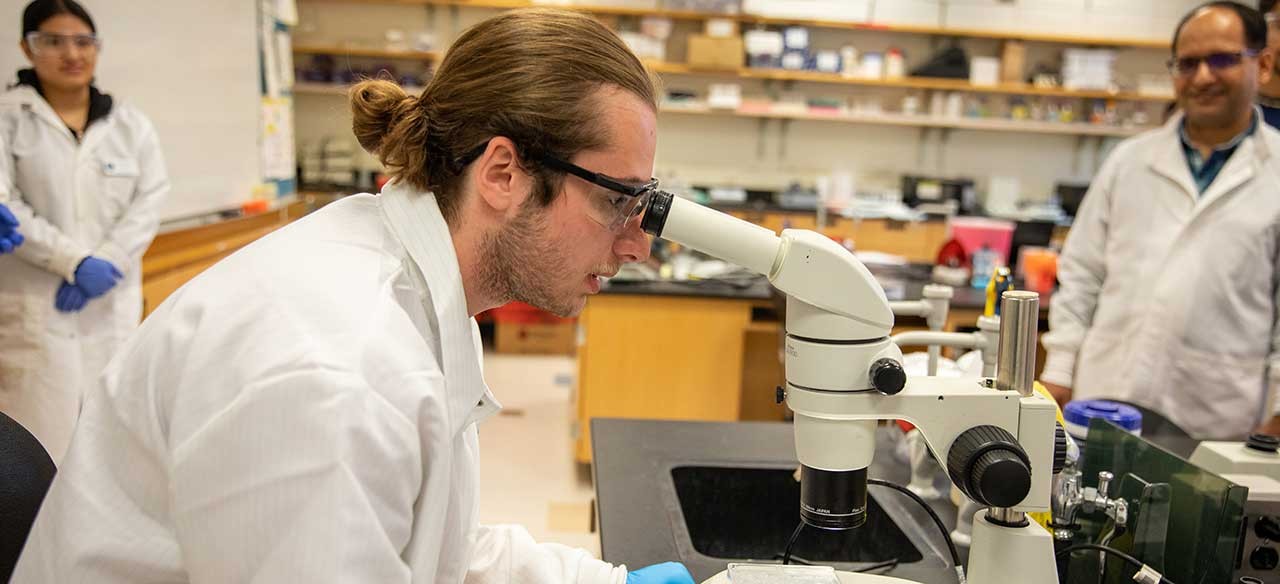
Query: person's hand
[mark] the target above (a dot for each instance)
(95, 277)
(1271, 427)
(668, 573)
(1061, 394)
(70, 298)
(10, 239)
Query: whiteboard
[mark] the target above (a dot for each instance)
(192, 67)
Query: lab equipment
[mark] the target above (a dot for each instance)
(667, 573)
(895, 64)
(1079, 414)
(844, 374)
(96, 277)
(1254, 464)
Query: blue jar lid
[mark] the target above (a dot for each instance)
(1082, 412)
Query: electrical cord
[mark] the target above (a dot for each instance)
(890, 564)
(951, 545)
(791, 544)
(1115, 552)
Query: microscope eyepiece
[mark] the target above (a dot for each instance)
(655, 214)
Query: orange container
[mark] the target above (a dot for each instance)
(1039, 268)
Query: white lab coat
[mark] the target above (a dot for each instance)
(1169, 298)
(98, 197)
(304, 411)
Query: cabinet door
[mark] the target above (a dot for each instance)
(659, 357)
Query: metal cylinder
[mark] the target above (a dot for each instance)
(1020, 317)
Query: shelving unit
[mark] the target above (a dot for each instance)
(766, 20)
(903, 83)
(358, 51)
(882, 119)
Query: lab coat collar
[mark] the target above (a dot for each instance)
(1168, 159)
(27, 98)
(416, 221)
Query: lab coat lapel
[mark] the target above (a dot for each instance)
(416, 220)
(1168, 160)
(1238, 171)
(28, 99)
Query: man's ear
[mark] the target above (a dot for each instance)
(500, 182)
(1266, 62)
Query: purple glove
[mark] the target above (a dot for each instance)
(96, 277)
(69, 298)
(10, 239)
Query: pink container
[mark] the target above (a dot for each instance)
(975, 232)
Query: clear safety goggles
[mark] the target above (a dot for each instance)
(42, 43)
(613, 209)
(1188, 66)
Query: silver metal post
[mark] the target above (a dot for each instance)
(1019, 319)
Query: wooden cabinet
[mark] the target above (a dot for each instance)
(917, 241)
(660, 357)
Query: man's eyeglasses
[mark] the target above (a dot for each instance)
(612, 210)
(1187, 66)
(44, 42)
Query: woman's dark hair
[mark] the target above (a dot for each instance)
(41, 10)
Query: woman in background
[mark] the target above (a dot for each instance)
(84, 176)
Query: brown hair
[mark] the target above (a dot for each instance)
(529, 75)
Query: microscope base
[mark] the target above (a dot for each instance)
(1000, 555)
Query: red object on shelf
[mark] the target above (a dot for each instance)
(255, 206)
(521, 313)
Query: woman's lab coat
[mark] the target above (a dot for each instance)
(304, 411)
(1169, 297)
(97, 197)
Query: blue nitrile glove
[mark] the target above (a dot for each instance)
(70, 298)
(668, 573)
(10, 239)
(95, 277)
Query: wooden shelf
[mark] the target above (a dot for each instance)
(767, 20)
(891, 119)
(356, 51)
(904, 83)
(884, 119)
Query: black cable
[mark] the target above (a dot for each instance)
(795, 535)
(951, 546)
(1110, 550)
(797, 560)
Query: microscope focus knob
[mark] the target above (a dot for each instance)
(888, 377)
(1059, 448)
(989, 466)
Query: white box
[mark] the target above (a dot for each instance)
(842, 10)
(984, 71)
(908, 12)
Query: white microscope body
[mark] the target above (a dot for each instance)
(844, 375)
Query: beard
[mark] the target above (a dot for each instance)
(520, 262)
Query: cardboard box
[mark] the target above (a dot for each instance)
(715, 53)
(1013, 62)
(536, 338)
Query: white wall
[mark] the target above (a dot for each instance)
(192, 67)
(706, 149)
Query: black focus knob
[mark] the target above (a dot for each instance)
(1264, 443)
(1264, 558)
(888, 377)
(1059, 448)
(1268, 528)
(989, 466)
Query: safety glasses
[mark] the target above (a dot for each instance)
(43, 42)
(1187, 66)
(612, 210)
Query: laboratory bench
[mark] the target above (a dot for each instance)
(706, 494)
(705, 350)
